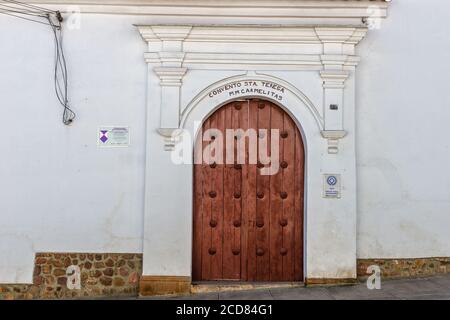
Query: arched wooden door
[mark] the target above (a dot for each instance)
(249, 226)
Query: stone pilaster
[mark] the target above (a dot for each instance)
(338, 60)
(166, 56)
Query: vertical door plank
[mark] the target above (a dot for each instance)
(237, 203)
(299, 206)
(276, 205)
(242, 183)
(263, 195)
(231, 263)
(250, 199)
(206, 216)
(217, 123)
(288, 219)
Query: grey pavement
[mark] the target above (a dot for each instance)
(435, 288)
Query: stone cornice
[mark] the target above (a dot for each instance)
(334, 79)
(334, 134)
(170, 76)
(268, 61)
(311, 11)
(259, 34)
(178, 45)
(228, 3)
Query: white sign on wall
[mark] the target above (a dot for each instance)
(113, 136)
(332, 186)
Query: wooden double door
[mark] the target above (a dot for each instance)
(248, 226)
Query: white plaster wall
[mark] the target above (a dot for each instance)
(58, 191)
(403, 148)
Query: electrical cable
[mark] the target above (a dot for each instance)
(21, 4)
(54, 20)
(18, 16)
(5, 7)
(61, 72)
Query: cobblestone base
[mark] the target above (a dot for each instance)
(405, 268)
(115, 275)
(101, 275)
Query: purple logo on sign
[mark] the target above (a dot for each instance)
(104, 136)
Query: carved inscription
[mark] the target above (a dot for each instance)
(251, 88)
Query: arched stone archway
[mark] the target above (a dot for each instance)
(292, 101)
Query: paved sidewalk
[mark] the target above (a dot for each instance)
(436, 288)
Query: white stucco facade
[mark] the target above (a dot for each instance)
(387, 140)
